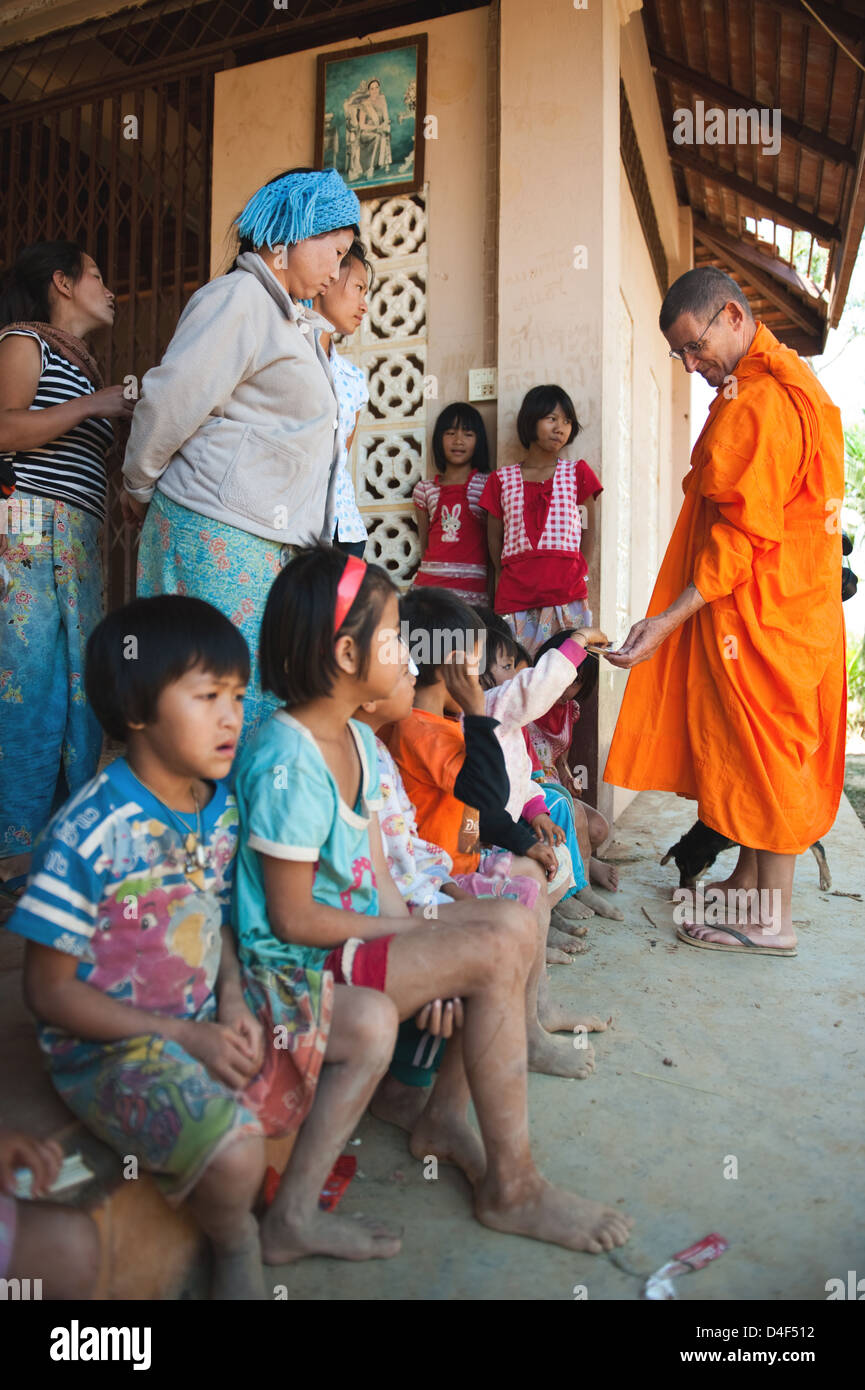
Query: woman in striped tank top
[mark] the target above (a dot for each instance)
(55, 431)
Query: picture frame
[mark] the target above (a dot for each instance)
(369, 115)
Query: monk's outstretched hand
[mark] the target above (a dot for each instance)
(643, 640)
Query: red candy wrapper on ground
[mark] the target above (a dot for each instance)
(659, 1285)
(340, 1176)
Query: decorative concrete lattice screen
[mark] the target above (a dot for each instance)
(389, 451)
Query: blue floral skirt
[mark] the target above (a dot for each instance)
(51, 602)
(183, 552)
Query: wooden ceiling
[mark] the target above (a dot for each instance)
(786, 226)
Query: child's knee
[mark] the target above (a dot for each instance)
(59, 1245)
(238, 1169)
(599, 827)
(373, 1021)
(514, 933)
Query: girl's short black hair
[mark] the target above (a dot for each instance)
(461, 415)
(437, 623)
(138, 650)
(541, 401)
(296, 653)
(588, 671)
(492, 620)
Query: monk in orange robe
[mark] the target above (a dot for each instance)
(741, 702)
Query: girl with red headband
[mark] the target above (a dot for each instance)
(313, 893)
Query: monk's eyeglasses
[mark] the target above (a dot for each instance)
(695, 349)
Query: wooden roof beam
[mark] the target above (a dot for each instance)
(725, 246)
(788, 213)
(803, 135)
(842, 22)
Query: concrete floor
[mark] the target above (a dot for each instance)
(768, 1062)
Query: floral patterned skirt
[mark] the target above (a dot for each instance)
(534, 626)
(148, 1098)
(183, 552)
(51, 603)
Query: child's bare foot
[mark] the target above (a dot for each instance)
(602, 908)
(561, 1018)
(237, 1272)
(451, 1139)
(323, 1233)
(553, 956)
(565, 941)
(398, 1104)
(545, 1212)
(566, 925)
(574, 909)
(559, 1057)
(604, 874)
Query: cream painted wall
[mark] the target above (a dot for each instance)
(263, 122)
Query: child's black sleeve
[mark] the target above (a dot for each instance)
(498, 828)
(483, 779)
(483, 782)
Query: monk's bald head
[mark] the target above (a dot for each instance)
(705, 307)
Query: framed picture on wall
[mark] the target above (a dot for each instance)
(369, 111)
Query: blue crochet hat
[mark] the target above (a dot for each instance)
(297, 206)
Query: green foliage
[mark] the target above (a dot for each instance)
(856, 688)
(854, 470)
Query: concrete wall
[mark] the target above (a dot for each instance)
(264, 122)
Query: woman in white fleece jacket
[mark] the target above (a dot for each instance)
(234, 447)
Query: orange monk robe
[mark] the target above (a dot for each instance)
(743, 708)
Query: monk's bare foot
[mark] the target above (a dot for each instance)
(559, 1056)
(565, 941)
(764, 935)
(598, 905)
(449, 1138)
(544, 1212)
(237, 1272)
(573, 909)
(398, 1104)
(603, 874)
(284, 1240)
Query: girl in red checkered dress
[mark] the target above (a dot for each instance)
(541, 523)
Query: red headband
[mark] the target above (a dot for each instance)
(346, 590)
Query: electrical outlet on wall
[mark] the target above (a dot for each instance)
(483, 384)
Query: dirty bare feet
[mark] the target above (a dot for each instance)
(398, 1104)
(572, 1057)
(566, 926)
(565, 941)
(451, 1139)
(603, 874)
(602, 908)
(553, 956)
(284, 1240)
(544, 1212)
(237, 1272)
(562, 1018)
(574, 909)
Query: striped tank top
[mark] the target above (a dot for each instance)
(70, 468)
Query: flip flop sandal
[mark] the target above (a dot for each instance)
(746, 944)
